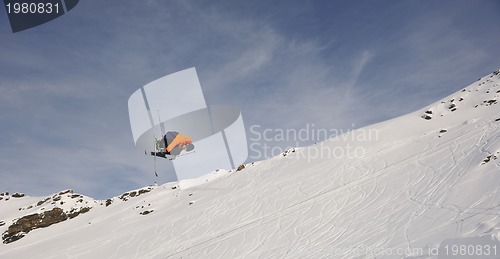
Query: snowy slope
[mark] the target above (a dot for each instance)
(400, 189)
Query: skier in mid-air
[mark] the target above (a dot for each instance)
(172, 144)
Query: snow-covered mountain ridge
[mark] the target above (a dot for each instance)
(426, 179)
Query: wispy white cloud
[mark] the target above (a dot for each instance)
(64, 119)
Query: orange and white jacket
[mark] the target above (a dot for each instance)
(179, 140)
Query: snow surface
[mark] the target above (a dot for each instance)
(419, 183)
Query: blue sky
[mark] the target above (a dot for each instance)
(65, 84)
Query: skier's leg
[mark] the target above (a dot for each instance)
(189, 147)
(166, 144)
(175, 151)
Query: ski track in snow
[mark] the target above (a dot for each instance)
(435, 184)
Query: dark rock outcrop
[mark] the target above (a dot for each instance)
(426, 116)
(22, 226)
(18, 195)
(146, 212)
(288, 151)
(132, 194)
(488, 159)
